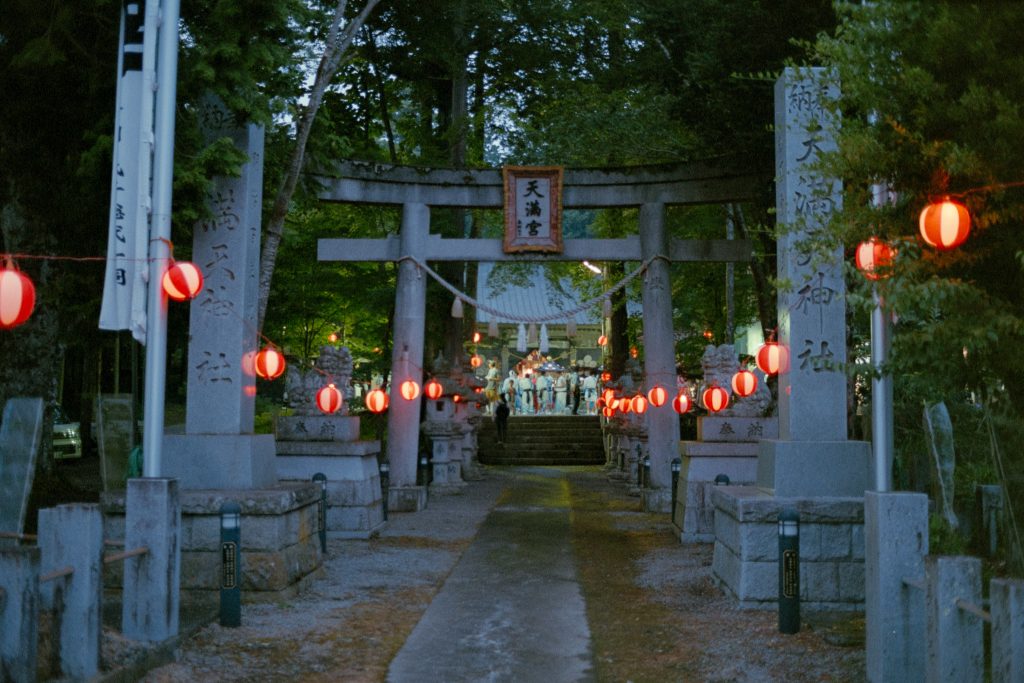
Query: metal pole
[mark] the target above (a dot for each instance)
(321, 510)
(160, 233)
(881, 397)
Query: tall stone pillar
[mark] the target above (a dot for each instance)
(407, 360)
(659, 356)
(812, 456)
(219, 449)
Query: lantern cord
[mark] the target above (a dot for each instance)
(586, 305)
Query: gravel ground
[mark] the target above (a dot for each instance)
(654, 611)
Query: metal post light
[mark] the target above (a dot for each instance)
(385, 486)
(677, 466)
(639, 468)
(321, 510)
(789, 571)
(423, 475)
(647, 470)
(231, 564)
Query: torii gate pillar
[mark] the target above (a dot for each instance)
(407, 362)
(659, 355)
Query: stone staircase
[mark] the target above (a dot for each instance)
(543, 440)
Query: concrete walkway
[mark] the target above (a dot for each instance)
(511, 610)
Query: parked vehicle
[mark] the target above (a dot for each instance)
(67, 438)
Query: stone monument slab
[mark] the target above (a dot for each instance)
(115, 414)
(20, 436)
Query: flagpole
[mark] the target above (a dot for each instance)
(160, 234)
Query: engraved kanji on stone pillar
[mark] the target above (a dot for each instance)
(812, 309)
(221, 390)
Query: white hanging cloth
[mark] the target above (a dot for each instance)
(543, 338)
(457, 308)
(570, 327)
(521, 339)
(531, 334)
(492, 328)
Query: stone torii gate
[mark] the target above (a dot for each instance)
(650, 188)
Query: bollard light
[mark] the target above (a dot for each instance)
(321, 510)
(425, 476)
(677, 467)
(647, 470)
(231, 564)
(789, 571)
(722, 480)
(639, 467)
(385, 486)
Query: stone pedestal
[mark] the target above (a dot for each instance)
(725, 445)
(817, 468)
(831, 548)
(407, 498)
(354, 499)
(222, 461)
(280, 547)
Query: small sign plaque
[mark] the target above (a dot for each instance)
(790, 574)
(228, 554)
(533, 209)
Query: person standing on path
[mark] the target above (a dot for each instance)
(501, 412)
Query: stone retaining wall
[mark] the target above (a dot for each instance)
(831, 548)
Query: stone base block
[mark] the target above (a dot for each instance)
(694, 513)
(220, 461)
(280, 546)
(745, 560)
(355, 504)
(407, 498)
(804, 469)
(447, 476)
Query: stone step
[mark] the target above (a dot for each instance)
(544, 440)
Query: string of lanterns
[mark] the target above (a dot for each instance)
(943, 225)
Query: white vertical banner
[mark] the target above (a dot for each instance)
(124, 287)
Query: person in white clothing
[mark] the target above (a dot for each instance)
(561, 393)
(525, 394)
(590, 392)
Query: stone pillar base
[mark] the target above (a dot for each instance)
(220, 461)
(280, 546)
(811, 469)
(746, 563)
(702, 462)
(407, 498)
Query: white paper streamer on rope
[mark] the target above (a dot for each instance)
(543, 338)
(521, 339)
(457, 308)
(531, 334)
(519, 318)
(606, 307)
(492, 328)
(570, 327)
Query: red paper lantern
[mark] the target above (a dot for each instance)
(476, 361)
(269, 363)
(332, 337)
(602, 340)
(638, 404)
(682, 403)
(17, 297)
(476, 337)
(328, 399)
(608, 395)
(606, 376)
(410, 389)
(624, 406)
(377, 401)
(945, 225)
(657, 396)
(600, 403)
(433, 390)
(874, 259)
(457, 398)
(715, 399)
(608, 411)
(182, 281)
(744, 383)
(773, 358)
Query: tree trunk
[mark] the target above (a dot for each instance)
(335, 47)
(763, 289)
